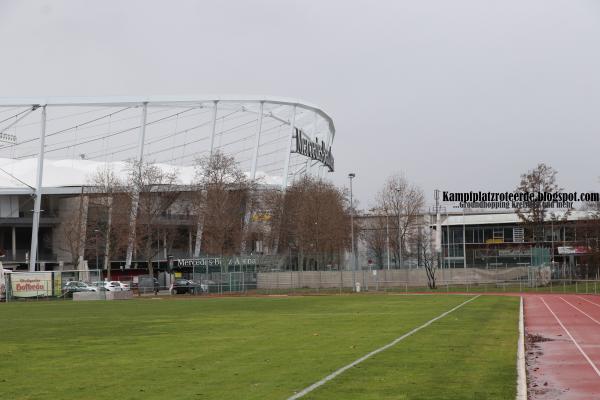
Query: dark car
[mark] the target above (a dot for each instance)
(181, 286)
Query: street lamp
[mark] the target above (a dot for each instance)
(351, 176)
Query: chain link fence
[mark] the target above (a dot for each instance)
(520, 279)
(227, 278)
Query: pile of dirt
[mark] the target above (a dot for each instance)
(535, 338)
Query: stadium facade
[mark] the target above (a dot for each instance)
(51, 147)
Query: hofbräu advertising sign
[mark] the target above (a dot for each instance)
(31, 284)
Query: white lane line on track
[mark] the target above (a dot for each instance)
(572, 338)
(521, 372)
(589, 301)
(374, 352)
(581, 311)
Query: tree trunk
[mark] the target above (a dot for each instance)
(107, 239)
(198, 243)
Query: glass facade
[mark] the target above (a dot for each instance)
(492, 246)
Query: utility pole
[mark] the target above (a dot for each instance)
(351, 176)
(438, 229)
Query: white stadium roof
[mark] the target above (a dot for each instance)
(83, 134)
(69, 176)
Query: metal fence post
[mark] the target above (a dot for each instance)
(319, 285)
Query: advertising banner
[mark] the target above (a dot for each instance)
(565, 250)
(31, 284)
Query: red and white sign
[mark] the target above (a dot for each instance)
(573, 250)
(31, 284)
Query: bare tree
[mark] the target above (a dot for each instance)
(538, 180)
(156, 191)
(428, 255)
(71, 230)
(402, 202)
(221, 199)
(374, 231)
(110, 210)
(312, 219)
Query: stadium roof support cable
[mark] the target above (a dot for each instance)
(16, 121)
(17, 179)
(26, 112)
(101, 137)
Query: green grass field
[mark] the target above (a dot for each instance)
(259, 348)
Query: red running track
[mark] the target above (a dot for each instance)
(563, 346)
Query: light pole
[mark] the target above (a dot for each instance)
(351, 176)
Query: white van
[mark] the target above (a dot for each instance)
(3, 273)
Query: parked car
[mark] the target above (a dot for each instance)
(180, 286)
(77, 286)
(123, 286)
(109, 286)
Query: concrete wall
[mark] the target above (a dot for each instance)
(124, 295)
(86, 296)
(384, 278)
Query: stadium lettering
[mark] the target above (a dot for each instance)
(203, 262)
(315, 150)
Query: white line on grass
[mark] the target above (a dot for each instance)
(572, 338)
(589, 301)
(371, 354)
(581, 311)
(521, 373)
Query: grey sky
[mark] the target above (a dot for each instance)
(458, 95)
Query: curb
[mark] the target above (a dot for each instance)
(521, 372)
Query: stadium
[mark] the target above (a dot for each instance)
(476, 323)
(52, 148)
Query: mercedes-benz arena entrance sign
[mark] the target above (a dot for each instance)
(53, 144)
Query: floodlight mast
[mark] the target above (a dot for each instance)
(438, 229)
(38, 195)
(136, 194)
(213, 127)
(351, 176)
(257, 141)
(286, 167)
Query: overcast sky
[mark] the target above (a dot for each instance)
(457, 95)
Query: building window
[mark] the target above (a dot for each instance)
(518, 234)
